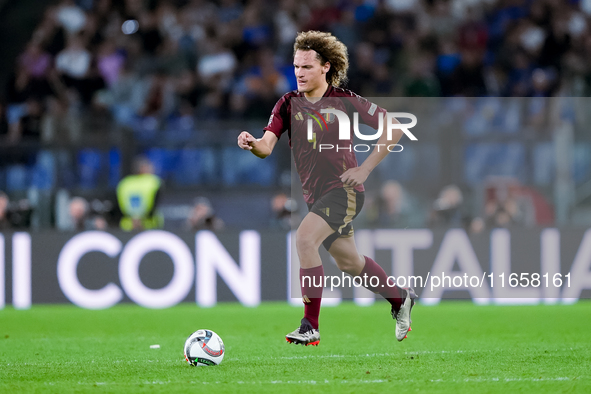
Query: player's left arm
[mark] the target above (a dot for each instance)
(358, 175)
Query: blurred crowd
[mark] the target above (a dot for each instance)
(158, 64)
(149, 62)
(506, 204)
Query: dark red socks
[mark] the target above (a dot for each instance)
(390, 293)
(311, 280)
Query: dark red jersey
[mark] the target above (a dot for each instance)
(319, 166)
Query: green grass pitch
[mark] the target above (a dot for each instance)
(454, 347)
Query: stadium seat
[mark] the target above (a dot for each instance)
(89, 168)
(242, 167)
(114, 167)
(164, 160)
(195, 166)
(44, 172)
(494, 159)
(17, 178)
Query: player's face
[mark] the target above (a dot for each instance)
(309, 73)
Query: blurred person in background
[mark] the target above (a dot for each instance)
(29, 126)
(83, 218)
(203, 216)
(397, 209)
(153, 97)
(282, 209)
(138, 196)
(4, 222)
(447, 208)
(73, 63)
(15, 215)
(503, 208)
(3, 121)
(78, 210)
(25, 96)
(259, 87)
(35, 60)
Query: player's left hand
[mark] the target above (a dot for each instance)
(354, 176)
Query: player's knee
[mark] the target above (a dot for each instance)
(305, 242)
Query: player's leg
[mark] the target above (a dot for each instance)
(344, 251)
(310, 234)
(312, 231)
(348, 259)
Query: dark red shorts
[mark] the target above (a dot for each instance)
(338, 208)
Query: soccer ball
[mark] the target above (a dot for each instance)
(204, 347)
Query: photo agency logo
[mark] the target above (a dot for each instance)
(329, 114)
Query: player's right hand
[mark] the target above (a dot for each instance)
(245, 140)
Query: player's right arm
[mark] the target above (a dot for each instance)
(278, 124)
(261, 147)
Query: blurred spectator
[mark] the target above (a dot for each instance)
(3, 121)
(25, 96)
(323, 13)
(557, 43)
(501, 208)
(4, 222)
(440, 20)
(82, 218)
(121, 96)
(229, 11)
(203, 217)
(189, 92)
(29, 126)
(217, 61)
(447, 208)
(149, 33)
(447, 61)
(35, 60)
(397, 208)
(346, 29)
(508, 203)
(110, 62)
(256, 31)
(392, 46)
(282, 209)
(14, 215)
(468, 77)
(421, 81)
(258, 89)
(476, 226)
(154, 96)
(70, 16)
(473, 33)
(73, 62)
(79, 71)
(362, 68)
(175, 64)
(138, 195)
(288, 20)
(78, 210)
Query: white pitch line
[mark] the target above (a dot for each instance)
(356, 355)
(360, 381)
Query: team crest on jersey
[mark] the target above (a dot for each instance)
(330, 118)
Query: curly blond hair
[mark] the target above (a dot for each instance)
(328, 49)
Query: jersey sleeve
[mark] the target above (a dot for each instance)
(368, 111)
(279, 121)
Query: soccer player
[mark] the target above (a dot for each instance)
(331, 179)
